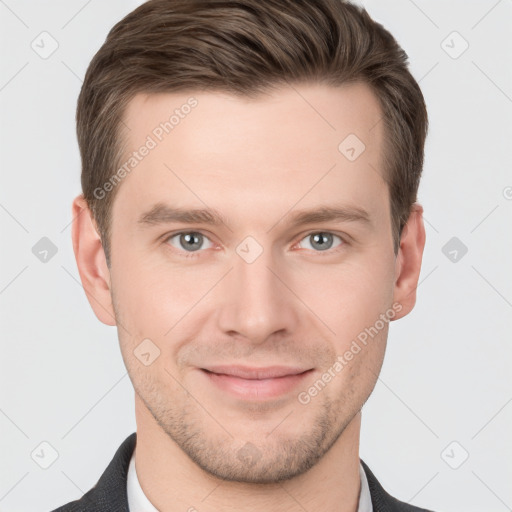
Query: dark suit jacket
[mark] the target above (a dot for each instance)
(110, 495)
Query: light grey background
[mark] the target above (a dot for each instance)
(445, 388)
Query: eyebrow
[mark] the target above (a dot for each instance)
(163, 214)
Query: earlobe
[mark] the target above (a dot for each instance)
(91, 262)
(408, 261)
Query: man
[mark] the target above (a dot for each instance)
(249, 223)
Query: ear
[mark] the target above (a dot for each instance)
(408, 261)
(91, 261)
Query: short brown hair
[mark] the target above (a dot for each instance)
(245, 47)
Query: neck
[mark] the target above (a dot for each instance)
(173, 482)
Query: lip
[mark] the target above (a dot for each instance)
(253, 373)
(251, 383)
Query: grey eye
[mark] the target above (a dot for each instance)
(189, 241)
(320, 241)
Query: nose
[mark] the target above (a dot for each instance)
(256, 303)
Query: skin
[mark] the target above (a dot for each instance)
(257, 162)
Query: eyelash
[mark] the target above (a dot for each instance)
(196, 254)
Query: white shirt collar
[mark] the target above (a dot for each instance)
(365, 498)
(139, 502)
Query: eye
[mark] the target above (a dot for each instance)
(321, 241)
(189, 241)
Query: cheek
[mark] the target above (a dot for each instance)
(351, 297)
(154, 296)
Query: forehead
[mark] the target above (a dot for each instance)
(310, 109)
(306, 143)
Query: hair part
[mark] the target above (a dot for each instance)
(247, 48)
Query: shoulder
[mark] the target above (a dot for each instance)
(382, 501)
(109, 493)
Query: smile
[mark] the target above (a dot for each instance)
(256, 383)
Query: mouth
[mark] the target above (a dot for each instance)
(256, 383)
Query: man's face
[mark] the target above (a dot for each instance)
(258, 289)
